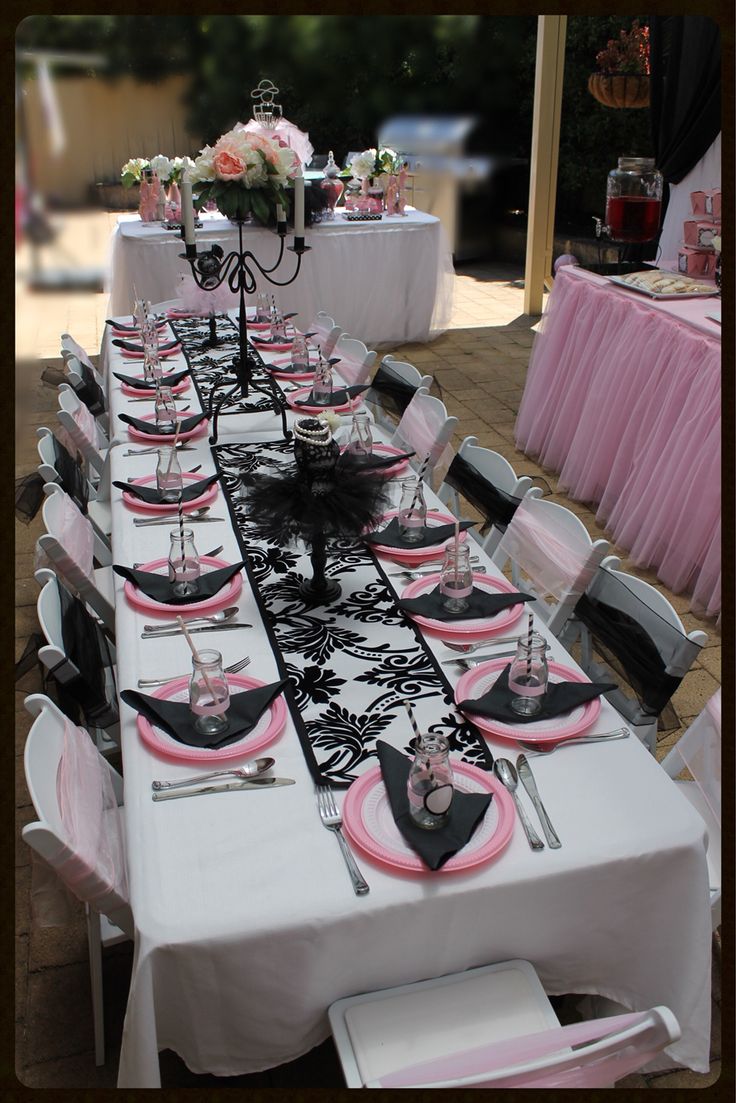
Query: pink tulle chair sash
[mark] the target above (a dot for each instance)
(94, 869)
(546, 552)
(76, 538)
(700, 750)
(349, 368)
(419, 430)
(517, 1051)
(87, 426)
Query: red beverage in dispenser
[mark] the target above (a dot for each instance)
(632, 217)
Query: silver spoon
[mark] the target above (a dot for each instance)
(192, 515)
(469, 648)
(216, 618)
(414, 575)
(259, 766)
(545, 748)
(506, 774)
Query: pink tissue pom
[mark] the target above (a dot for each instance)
(566, 258)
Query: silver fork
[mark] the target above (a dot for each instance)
(332, 820)
(234, 668)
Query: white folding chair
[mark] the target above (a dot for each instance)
(698, 751)
(489, 483)
(426, 429)
(393, 386)
(98, 511)
(612, 592)
(88, 437)
(98, 703)
(552, 557)
(356, 360)
(71, 545)
(71, 349)
(491, 1027)
(325, 333)
(93, 871)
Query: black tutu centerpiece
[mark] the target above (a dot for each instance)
(324, 494)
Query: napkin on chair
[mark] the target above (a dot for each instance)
(158, 587)
(152, 428)
(175, 717)
(481, 603)
(438, 846)
(560, 697)
(147, 384)
(390, 538)
(152, 494)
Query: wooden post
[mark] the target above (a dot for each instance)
(550, 66)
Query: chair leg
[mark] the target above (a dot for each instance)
(95, 972)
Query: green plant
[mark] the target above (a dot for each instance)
(629, 53)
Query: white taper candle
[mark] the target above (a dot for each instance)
(299, 204)
(187, 210)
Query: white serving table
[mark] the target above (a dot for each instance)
(387, 282)
(247, 927)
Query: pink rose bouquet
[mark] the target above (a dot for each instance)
(244, 173)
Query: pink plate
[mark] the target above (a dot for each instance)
(166, 438)
(466, 629)
(160, 324)
(294, 396)
(419, 555)
(266, 346)
(226, 596)
(381, 450)
(164, 354)
(275, 365)
(251, 322)
(268, 728)
(368, 820)
(555, 730)
(144, 392)
(154, 507)
(128, 336)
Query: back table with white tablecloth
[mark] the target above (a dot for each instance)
(247, 927)
(383, 282)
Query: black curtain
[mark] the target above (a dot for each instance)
(685, 91)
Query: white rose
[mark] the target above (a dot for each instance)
(135, 166)
(287, 164)
(203, 168)
(363, 164)
(162, 166)
(255, 175)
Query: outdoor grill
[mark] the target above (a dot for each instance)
(453, 180)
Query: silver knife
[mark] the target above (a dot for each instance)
(479, 658)
(527, 780)
(175, 521)
(204, 628)
(230, 787)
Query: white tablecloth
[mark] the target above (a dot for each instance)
(385, 282)
(247, 927)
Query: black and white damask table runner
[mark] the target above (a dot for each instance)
(206, 364)
(351, 663)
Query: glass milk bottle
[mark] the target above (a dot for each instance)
(430, 785)
(209, 695)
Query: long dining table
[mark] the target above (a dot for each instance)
(246, 924)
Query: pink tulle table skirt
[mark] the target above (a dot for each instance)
(623, 398)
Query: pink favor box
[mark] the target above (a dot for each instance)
(707, 203)
(696, 262)
(699, 234)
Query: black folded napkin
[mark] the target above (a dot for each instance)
(289, 369)
(433, 847)
(560, 697)
(158, 587)
(132, 346)
(481, 603)
(175, 717)
(147, 384)
(153, 430)
(378, 463)
(436, 534)
(152, 494)
(160, 323)
(339, 396)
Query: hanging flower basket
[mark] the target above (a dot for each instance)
(620, 89)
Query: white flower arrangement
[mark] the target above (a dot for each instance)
(132, 171)
(363, 164)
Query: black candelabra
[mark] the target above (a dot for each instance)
(210, 270)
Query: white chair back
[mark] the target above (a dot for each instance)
(426, 429)
(698, 751)
(487, 1027)
(325, 332)
(71, 349)
(356, 360)
(71, 545)
(88, 437)
(551, 555)
(496, 472)
(76, 795)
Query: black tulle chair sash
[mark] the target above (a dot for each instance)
(71, 476)
(89, 391)
(390, 393)
(496, 505)
(86, 646)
